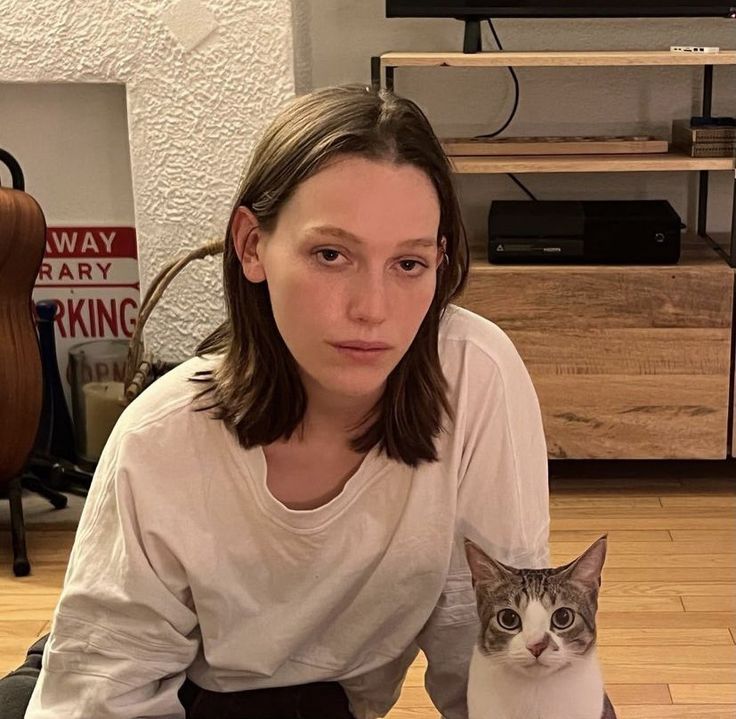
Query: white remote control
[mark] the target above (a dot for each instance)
(693, 48)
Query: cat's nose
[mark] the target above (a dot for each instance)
(539, 647)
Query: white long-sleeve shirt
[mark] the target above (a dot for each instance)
(185, 564)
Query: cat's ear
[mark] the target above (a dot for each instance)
(482, 567)
(587, 568)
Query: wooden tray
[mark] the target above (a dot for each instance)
(573, 145)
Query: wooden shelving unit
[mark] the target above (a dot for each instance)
(384, 66)
(653, 162)
(609, 58)
(629, 362)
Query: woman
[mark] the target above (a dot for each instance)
(275, 527)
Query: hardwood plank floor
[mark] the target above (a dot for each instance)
(668, 601)
(667, 618)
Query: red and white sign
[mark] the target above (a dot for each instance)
(92, 275)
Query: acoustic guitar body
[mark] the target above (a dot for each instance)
(22, 245)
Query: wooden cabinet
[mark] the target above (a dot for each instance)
(629, 362)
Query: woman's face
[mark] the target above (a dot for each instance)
(342, 266)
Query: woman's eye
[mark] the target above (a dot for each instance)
(332, 252)
(508, 619)
(414, 263)
(406, 270)
(563, 618)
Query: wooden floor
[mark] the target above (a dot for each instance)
(667, 618)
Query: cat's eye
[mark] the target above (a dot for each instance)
(508, 619)
(563, 618)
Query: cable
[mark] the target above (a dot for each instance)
(513, 110)
(516, 88)
(521, 185)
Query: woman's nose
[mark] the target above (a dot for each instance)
(368, 299)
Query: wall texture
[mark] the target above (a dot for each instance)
(194, 113)
(73, 146)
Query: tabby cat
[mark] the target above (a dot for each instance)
(535, 657)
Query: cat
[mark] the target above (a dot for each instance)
(535, 657)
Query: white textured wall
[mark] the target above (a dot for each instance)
(193, 117)
(564, 101)
(71, 141)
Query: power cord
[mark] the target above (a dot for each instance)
(513, 110)
(521, 185)
(516, 88)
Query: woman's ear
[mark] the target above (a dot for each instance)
(247, 236)
(441, 252)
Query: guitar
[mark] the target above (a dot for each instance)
(22, 245)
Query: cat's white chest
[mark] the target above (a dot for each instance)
(495, 692)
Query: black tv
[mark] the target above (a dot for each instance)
(462, 9)
(474, 11)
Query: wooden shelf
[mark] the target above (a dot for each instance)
(657, 162)
(611, 58)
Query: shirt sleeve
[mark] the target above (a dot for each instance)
(124, 629)
(503, 506)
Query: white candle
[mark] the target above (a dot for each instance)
(103, 404)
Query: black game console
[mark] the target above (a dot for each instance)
(645, 232)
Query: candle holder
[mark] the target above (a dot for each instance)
(96, 374)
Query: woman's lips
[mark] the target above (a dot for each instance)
(371, 355)
(363, 344)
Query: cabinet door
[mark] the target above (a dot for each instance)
(629, 362)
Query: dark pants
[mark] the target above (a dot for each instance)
(16, 688)
(322, 700)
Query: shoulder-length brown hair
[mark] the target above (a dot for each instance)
(256, 389)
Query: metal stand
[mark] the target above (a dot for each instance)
(729, 256)
(376, 80)
(21, 565)
(472, 40)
